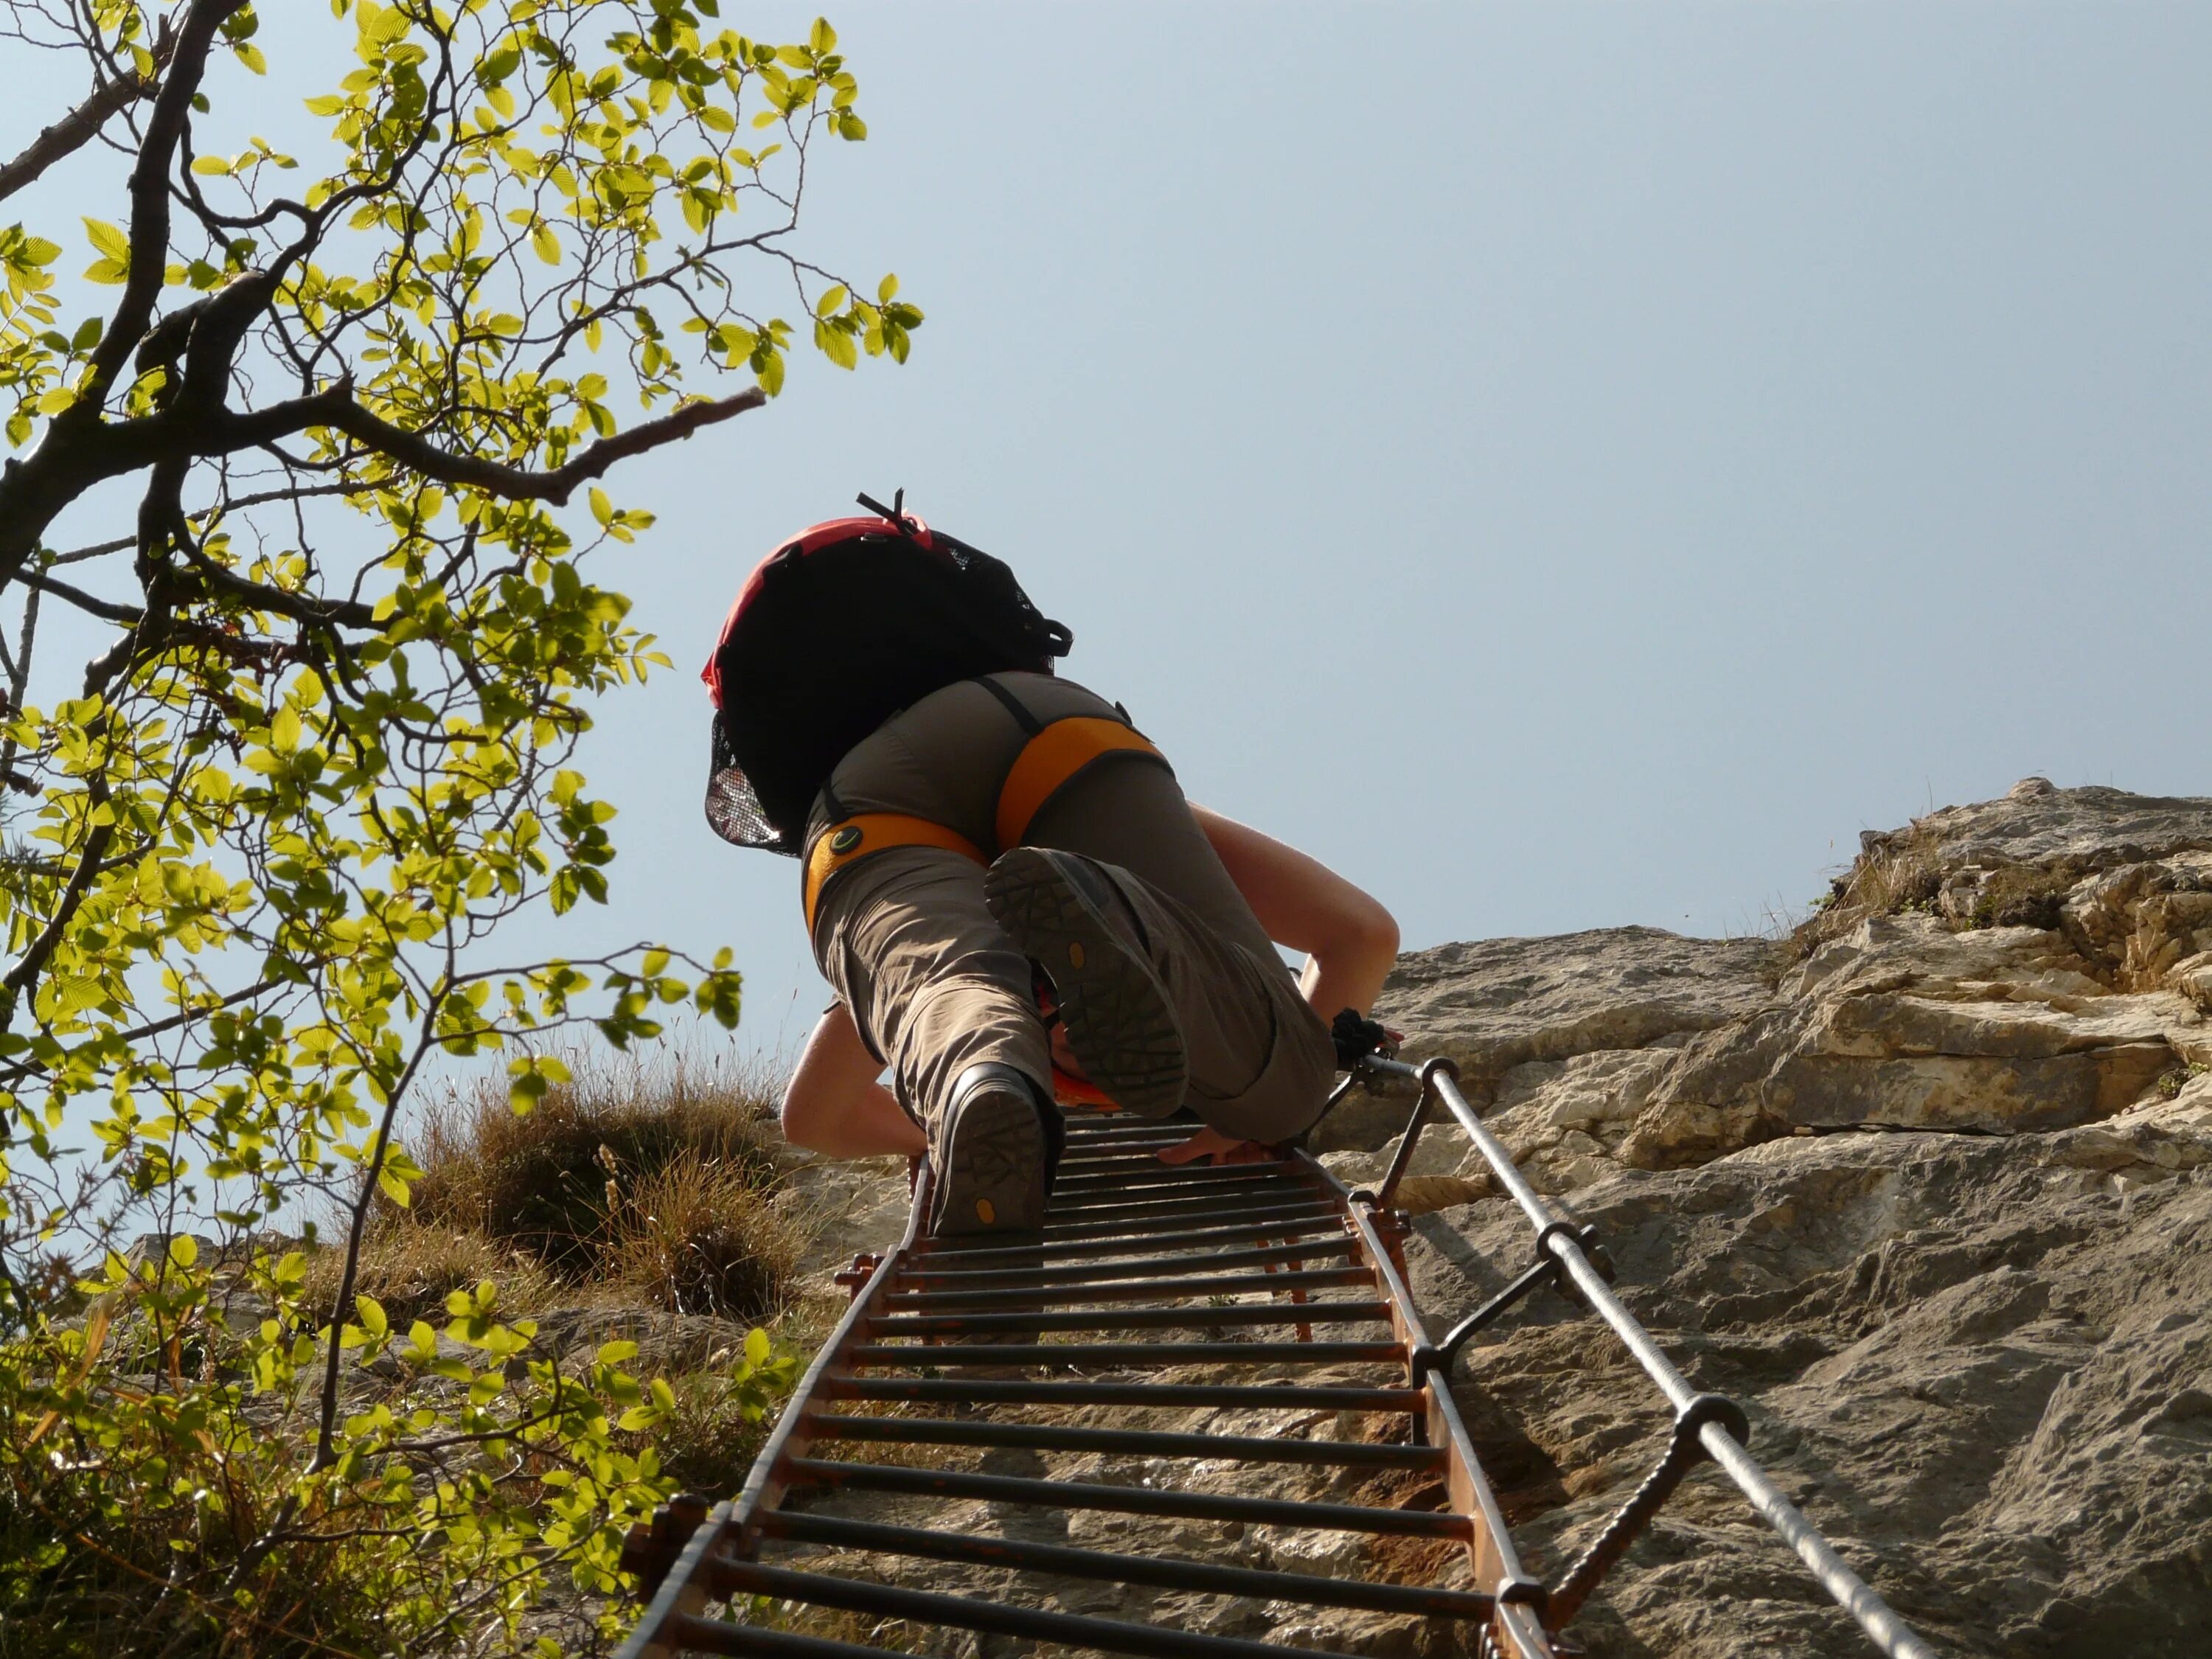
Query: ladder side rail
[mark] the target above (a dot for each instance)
(683, 1593)
(1882, 1623)
(1516, 1625)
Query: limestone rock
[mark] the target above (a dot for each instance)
(1975, 1345)
(2101, 827)
(1500, 1003)
(1987, 1376)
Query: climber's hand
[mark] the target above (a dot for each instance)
(1212, 1143)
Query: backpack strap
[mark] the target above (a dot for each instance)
(858, 836)
(1012, 704)
(1052, 759)
(1056, 752)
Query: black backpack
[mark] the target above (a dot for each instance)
(837, 631)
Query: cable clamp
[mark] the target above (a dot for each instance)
(1593, 1249)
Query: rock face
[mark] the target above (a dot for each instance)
(1927, 1189)
(1932, 1199)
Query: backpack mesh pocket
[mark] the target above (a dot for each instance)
(733, 811)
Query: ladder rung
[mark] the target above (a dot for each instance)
(1129, 1266)
(1164, 1573)
(1253, 1284)
(1319, 1219)
(1019, 1391)
(950, 1355)
(1131, 1442)
(1133, 1500)
(1135, 1319)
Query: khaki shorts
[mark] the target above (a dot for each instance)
(934, 984)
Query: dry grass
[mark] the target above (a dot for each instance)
(1903, 871)
(539, 1181)
(1900, 873)
(699, 1237)
(410, 1269)
(642, 1183)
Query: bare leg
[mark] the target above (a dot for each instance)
(1219, 1148)
(834, 1104)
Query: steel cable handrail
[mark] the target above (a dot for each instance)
(1439, 1080)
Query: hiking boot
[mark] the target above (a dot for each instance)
(993, 1157)
(1067, 915)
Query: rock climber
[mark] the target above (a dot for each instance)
(1005, 887)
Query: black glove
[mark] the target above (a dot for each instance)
(1356, 1038)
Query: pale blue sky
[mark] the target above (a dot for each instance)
(1564, 464)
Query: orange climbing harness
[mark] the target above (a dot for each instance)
(853, 839)
(1047, 762)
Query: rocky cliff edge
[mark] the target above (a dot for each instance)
(1927, 1186)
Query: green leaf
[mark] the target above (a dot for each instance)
(836, 345)
(886, 289)
(822, 37)
(184, 1249)
(602, 508)
(371, 1314)
(832, 300)
(757, 1347)
(548, 247)
(211, 167)
(386, 28)
(107, 240)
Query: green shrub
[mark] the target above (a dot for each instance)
(199, 1509)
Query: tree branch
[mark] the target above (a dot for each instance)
(122, 616)
(300, 607)
(77, 128)
(33, 963)
(411, 449)
(149, 201)
(153, 439)
(235, 504)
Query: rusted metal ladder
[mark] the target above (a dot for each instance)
(1287, 1280)
(1296, 1285)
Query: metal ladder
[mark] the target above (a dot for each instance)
(1273, 1272)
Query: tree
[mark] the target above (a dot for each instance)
(352, 424)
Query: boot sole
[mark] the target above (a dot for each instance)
(994, 1179)
(1111, 1001)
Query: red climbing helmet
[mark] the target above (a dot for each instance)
(835, 632)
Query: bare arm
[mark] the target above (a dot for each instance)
(1349, 938)
(834, 1104)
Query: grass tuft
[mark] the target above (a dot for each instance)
(635, 1184)
(1897, 873)
(698, 1237)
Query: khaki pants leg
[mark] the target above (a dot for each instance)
(1260, 1061)
(932, 983)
